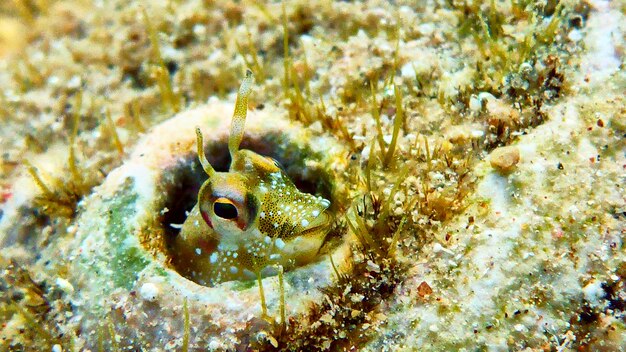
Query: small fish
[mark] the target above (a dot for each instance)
(251, 219)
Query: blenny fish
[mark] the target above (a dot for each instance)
(251, 221)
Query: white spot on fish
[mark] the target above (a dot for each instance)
(304, 222)
(274, 256)
(280, 244)
(213, 258)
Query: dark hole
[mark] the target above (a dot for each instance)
(576, 21)
(133, 74)
(587, 315)
(172, 67)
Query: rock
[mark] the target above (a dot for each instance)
(504, 159)
(149, 291)
(64, 285)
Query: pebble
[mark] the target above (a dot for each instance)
(371, 266)
(64, 285)
(575, 35)
(215, 345)
(149, 291)
(504, 159)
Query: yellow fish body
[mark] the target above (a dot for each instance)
(251, 219)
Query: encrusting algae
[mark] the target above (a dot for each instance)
(459, 166)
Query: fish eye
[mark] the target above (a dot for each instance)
(225, 209)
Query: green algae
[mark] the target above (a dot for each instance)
(128, 260)
(122, 254)
(243, 285)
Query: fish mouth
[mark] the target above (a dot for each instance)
(319, 223)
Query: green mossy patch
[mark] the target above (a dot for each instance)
(243, 285)
(127, 260)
